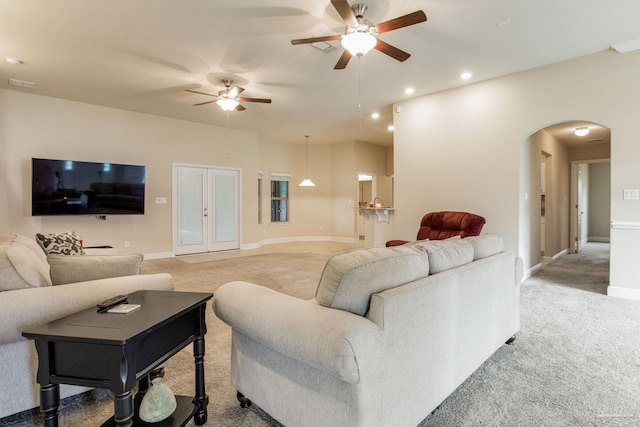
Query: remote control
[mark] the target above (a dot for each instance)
(112, 301)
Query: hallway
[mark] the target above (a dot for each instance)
(587, 270)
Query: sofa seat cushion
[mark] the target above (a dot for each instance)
(72, 269)
(447, 254)
(66, 243)
(350, 278)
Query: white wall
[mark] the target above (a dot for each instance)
(468, 141)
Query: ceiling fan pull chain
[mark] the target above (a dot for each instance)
(228, 135)
(360, 93)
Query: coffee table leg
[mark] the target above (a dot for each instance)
(49, 404)
(201, 400)
(123, 409)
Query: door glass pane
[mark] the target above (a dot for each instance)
(190, 205)
(225, 207)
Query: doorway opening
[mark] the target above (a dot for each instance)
(366, 190)
(564, 205)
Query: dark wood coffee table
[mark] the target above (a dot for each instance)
(115, 351)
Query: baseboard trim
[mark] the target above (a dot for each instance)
(258, 245)
(626, 293)
(159, 255)
(530, 272)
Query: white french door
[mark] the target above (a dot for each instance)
(206, 209)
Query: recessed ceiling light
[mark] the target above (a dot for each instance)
(582, 131)
(390, 128)
(375, 115)
(409, 90)
(14, 61)
(466, 75)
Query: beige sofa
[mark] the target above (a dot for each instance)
(390, 334)
(29, 298)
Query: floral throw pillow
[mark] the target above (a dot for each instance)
(66, 243)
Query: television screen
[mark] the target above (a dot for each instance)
(69, 187)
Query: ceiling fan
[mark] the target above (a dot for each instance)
(228, 98)
(359, 35)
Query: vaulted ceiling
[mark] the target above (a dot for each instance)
(142, 55)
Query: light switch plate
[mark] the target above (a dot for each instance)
(631, 194)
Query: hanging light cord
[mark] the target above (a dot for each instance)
(228, 135)
(359, 93)
(306, 175)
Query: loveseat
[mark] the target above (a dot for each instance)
(389, 335)
(36, 289)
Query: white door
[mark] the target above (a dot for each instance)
(206, 209)
(223, 209)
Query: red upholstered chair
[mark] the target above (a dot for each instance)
(445, 224)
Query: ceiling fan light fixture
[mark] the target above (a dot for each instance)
(227, 104)
(358, 43)
(582, 131)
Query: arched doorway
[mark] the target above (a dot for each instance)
(565, 205)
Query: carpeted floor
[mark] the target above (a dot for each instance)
(576, 361)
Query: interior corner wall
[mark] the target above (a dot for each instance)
(460, 149)
(599, 228)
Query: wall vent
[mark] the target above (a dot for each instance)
(22, 83)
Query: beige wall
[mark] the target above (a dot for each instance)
(37, 126)
(470, 141)
(599, 197)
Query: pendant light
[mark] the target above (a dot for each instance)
(306, 182)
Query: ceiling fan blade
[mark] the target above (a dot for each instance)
(201, 93)
(204, 103)
(392, 51)
(345, 12)
(403, 21)
(262, 100)
(343, 61)
(316, 39)
(235, 91)
(239, 107)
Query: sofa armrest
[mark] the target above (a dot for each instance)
(343, 344)
(26, 308)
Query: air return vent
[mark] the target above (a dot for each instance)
(22, 83)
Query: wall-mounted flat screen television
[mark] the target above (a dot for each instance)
(69, 187)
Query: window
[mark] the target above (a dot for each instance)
(279, 198)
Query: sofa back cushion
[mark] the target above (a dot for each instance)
(21, 266)
(350, 278)
(72, 269)
(447, 254)
(486, 245)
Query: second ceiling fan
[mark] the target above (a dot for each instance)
(360, 33)
(228, 99)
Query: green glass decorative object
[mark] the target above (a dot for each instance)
(158, 402)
